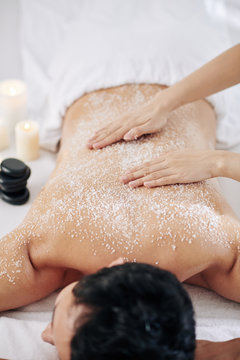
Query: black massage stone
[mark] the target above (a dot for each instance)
(9, 180)
(13, 167)
(17, 198)
(13, 181)
(13, 188)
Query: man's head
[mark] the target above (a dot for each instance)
(131, 311)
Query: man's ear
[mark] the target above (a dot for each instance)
(47, 334)
(119, 261)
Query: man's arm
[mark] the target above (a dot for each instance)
(227, 350)
(21, 283)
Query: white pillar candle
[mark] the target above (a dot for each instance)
(27, 140)
(4, 136)
(13, 102)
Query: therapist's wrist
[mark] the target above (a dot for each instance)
(222, 161)
(231, 165)
(168, 99)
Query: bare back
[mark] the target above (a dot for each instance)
(86, 217)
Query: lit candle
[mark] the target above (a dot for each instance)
(4, 136)
(13, 102)
(27, 140)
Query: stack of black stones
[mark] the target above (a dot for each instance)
(13, 181)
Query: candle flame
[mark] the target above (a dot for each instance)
(12, 91)
(26, 126)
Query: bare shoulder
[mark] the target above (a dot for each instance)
(224, 276)
(200, 259)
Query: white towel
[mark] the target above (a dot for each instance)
(21, 332)
(137, 41)
(217, 319)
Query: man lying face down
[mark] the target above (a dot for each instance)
(131, 311)
(84, 218)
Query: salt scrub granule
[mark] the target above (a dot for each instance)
(84, 202)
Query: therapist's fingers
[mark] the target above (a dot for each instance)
(153, 176)
(140, 130)
(149, 124)
(105, 134)
(109, 139)
(143, 172)
(101, 134)
(121, 126)
(166, 180)
(146, 165)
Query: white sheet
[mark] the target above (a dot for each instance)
(20, 332)
(42, 27)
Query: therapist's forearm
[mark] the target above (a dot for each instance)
(228, 165)
(220, 73)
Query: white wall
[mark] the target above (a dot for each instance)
(10, 61)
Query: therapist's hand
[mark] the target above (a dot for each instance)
(174, 168)
(149, 118)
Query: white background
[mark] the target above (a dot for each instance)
(10, 60)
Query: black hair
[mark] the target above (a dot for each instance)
(135, 312)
